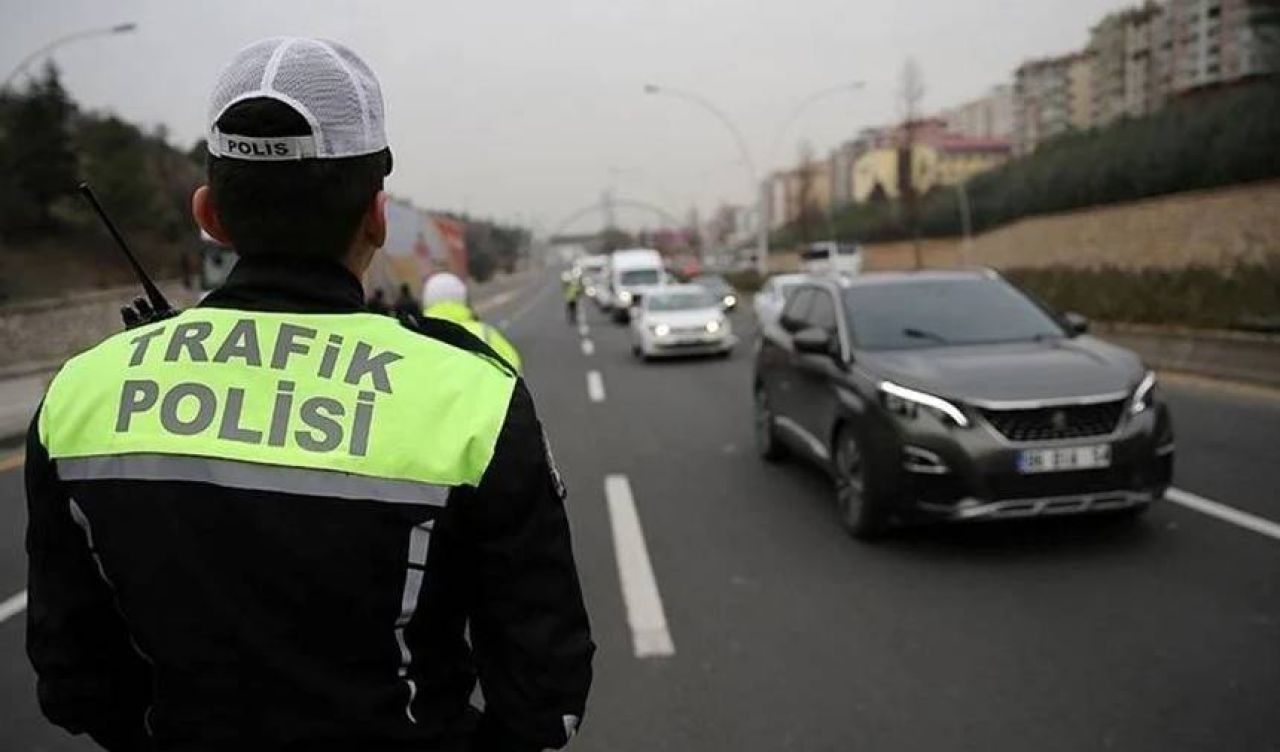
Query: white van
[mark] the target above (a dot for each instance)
(632, 273)
(829, 256)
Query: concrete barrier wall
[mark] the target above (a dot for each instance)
(1218, 228)
(1252, 358)
(40, 334)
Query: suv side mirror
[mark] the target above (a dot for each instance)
(813, 340)
(1076, 323)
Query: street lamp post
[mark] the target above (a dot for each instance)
(123, 28)
(762, 228)
(805, 104)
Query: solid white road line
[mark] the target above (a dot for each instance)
(12, 606)
(1223, 512)
(588, 347)
(649, 634)
(595, 386)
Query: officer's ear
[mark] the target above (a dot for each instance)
(206, 216)
(374, 226)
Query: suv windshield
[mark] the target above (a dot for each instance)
(680, 301)
(936, 312)
(639, 277)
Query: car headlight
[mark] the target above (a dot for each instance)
(907, 403)
(713, 326)
(590, 291)
(730, 301)
(661, 330)
(625, 296)
(1144, 397)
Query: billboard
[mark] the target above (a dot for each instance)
(419, 244)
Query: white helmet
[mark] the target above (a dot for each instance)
(443, 287)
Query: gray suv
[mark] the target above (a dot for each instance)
(955, 396)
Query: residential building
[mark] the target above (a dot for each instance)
(939, 158)
(1126, 57)
(1042, 94)
(958, 158)
(1080, 92)
(814, 179)
(990, 116)
(1220, 41)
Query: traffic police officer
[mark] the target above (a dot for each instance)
(445, 297)
(572, 291)
(269, 522)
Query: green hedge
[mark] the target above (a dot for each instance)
(1246, 297)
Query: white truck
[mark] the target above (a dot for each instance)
(632, 273)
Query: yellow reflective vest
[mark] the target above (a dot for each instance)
(332, 392)
(461, 314)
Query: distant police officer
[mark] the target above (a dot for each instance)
(268, 523)
(444, 296)
(572, 291)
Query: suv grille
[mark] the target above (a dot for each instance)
(1052, 423)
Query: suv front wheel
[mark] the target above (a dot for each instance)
(766, 433)
(861, 510)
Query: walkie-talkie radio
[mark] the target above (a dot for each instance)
(154, 307)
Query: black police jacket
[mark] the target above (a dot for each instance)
(184, 615)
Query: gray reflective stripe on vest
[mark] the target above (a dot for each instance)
(415, 572)
(251, 476)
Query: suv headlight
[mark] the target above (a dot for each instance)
(1144, 397)
(714, 326)
(661, 330)
(907, 403)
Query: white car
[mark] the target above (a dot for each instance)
(680, 320)
(772, 295)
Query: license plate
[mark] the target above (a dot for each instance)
(1065, 459)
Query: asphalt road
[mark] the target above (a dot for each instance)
(788, 635)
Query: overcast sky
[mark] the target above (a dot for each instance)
(530, 108)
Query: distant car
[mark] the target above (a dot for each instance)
(954, 396)
(720, 288)
(773, 293)
(828, 257)
(680, 320)
(591, 270)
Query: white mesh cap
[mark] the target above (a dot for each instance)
(325, 82)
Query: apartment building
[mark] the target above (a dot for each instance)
(1044, 102)
(989, 116)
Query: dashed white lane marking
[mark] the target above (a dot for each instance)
(583, 329)
(649, 634)
(588, 347)
(1223, 512)
(595, 386)
(13, 605)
